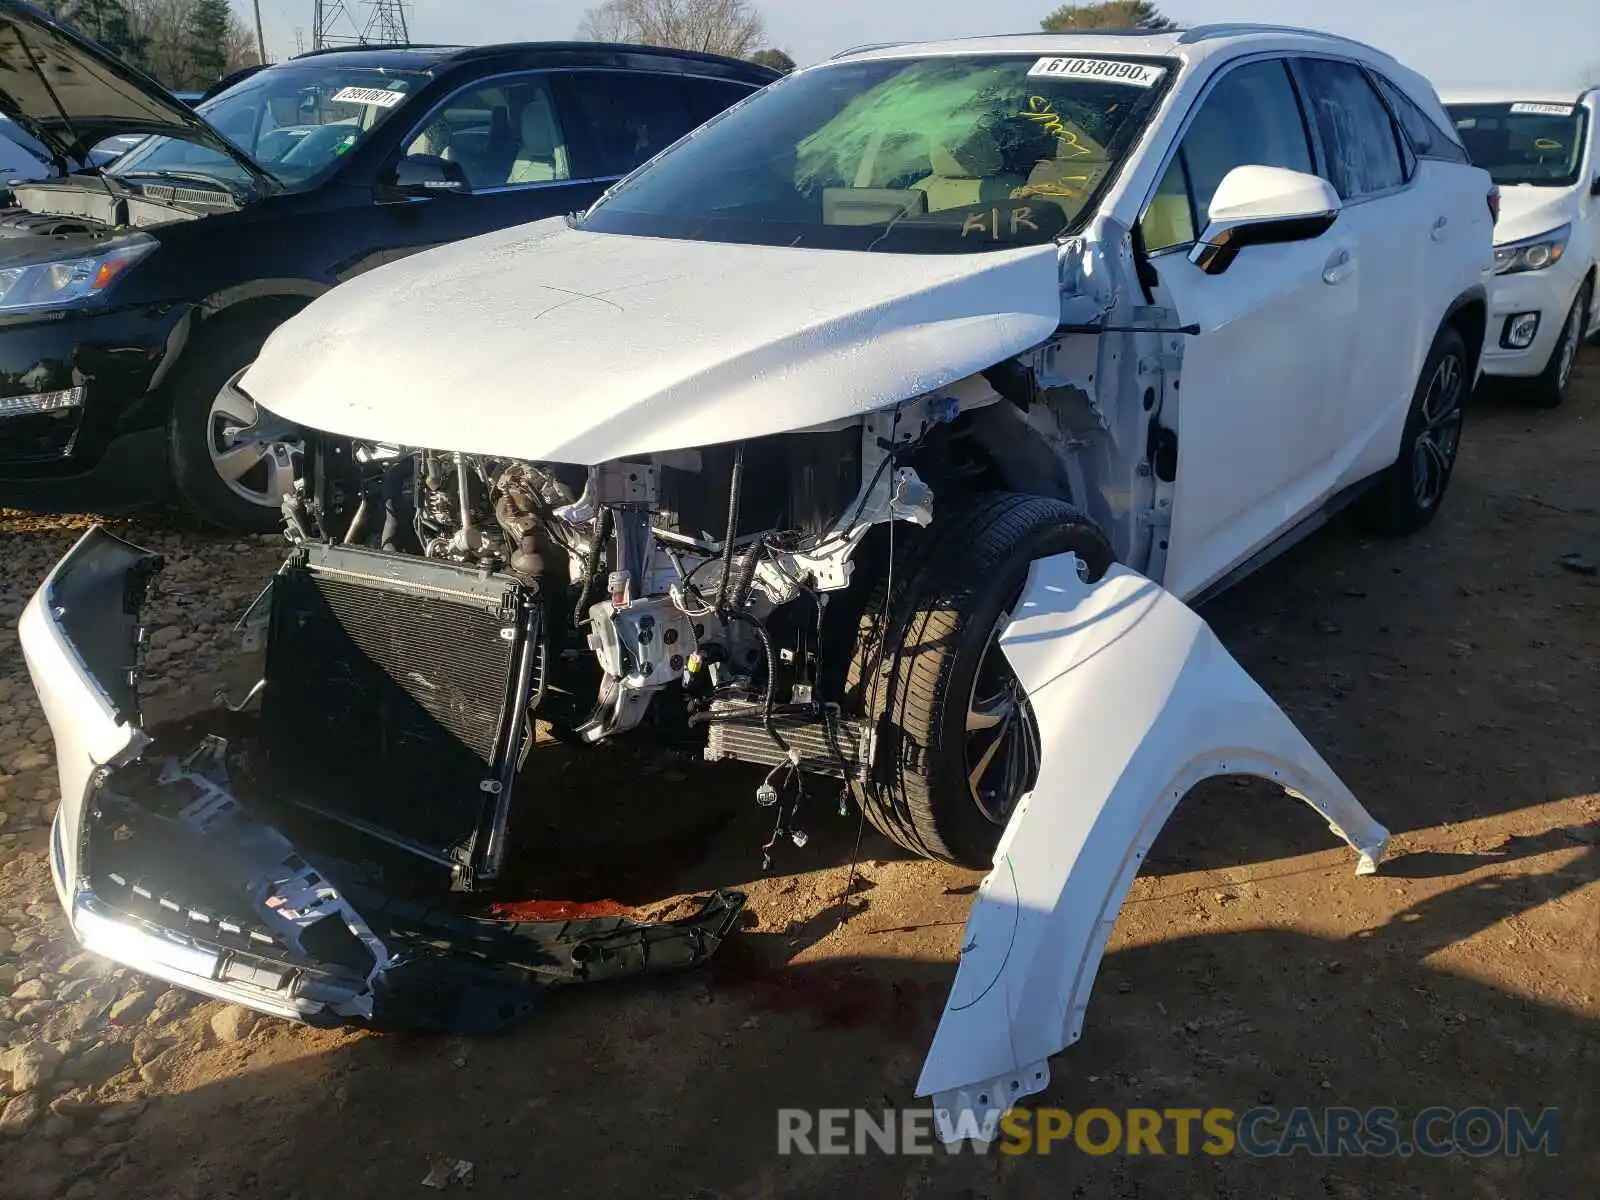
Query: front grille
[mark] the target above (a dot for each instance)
(395, 693)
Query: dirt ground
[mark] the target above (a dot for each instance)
(1450, 679)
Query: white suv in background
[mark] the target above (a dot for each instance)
(1543, 150)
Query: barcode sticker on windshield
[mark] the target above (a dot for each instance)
(378, 97)
(1104, 70)
(1542, 110)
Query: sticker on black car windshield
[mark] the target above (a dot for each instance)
(1105, 70)
(377, 97)
(1541, 110)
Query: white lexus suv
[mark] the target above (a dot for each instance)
(882, 430)
(1544, 152)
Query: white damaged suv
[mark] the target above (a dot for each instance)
(882, 430)
(1543, 150)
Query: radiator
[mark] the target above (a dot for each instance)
(397, 691)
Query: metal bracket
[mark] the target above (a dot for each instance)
(1159, 517)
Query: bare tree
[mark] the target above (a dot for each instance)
(731, 27)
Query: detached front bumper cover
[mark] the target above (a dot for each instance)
(287, 940)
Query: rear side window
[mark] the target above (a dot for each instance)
(1250, 118)
(1427, 139)
(630, 116)
(708, 97)
(1359, 139)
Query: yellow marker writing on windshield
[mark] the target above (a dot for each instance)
(1043, 112)
(989, 222)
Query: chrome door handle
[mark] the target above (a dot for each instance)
(1340, 267)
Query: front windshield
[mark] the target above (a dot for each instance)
(293, 122)
(935, 155)
(1526, 142)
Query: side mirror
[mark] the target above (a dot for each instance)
(424, 175)
(1260, 206)
(1594, 188)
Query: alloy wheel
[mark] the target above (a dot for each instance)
(1002, 734)
(1002, 737)
(257, 459)
(1440, 436)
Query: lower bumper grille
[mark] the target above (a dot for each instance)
(397, 698)
(38, 437)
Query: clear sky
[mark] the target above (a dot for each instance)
(1457, 43)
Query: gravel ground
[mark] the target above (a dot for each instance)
(1451, 680)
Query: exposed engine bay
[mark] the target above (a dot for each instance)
(435, 605)
(93, 205)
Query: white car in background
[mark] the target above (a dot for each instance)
(1543, 150)
(884, 428)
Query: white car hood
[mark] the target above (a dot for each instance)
(1529, 211)
(548, 343)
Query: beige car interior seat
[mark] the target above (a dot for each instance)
(965, 174)
(541, 154)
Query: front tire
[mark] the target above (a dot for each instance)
(1549, 388)
(957, 746)
(1407, 495)
(229, 477)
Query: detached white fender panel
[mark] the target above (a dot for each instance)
(1136, 702)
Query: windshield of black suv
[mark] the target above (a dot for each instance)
(1524, 142)
(931, 156)
(294, 122)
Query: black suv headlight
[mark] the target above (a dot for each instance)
(69, 282)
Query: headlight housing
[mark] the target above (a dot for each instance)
(1532, 254)
(69, 282)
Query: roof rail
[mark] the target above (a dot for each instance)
(1200, 33)
(1029, 33)
(1132, 31)
(868, 46)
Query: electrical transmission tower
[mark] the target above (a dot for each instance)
(386, 23)
(334, 23)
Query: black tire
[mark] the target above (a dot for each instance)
(1549, 388)
(918, 658)
(206, 367)
(1407, 495)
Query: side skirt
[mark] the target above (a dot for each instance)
(1287, 540)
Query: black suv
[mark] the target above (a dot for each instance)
(129, 296)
